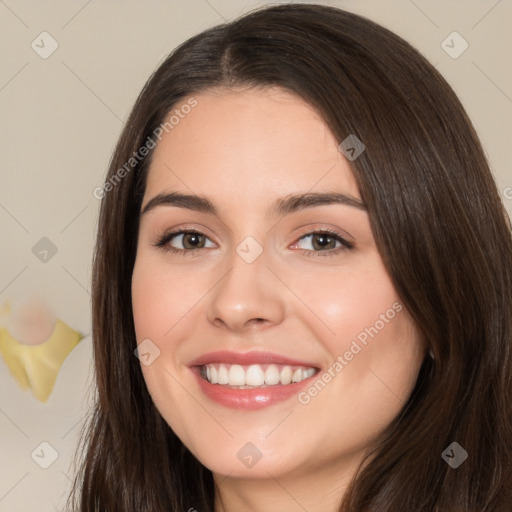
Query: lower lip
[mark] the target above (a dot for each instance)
(249, 399)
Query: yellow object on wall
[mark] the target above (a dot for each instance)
(36, 367)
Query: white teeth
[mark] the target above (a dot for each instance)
(222, 376)
(297, 375)
(309, 372)
(272, 375)
(236, 375)
(254, 375)
(286, 375)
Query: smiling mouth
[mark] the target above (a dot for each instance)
(254, 376)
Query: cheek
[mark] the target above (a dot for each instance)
(360, 320)
(149, 301)
(348, 300)
(375, 354)
(160, 297)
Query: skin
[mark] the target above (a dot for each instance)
(244, 149)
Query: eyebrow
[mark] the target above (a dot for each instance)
(283, 206)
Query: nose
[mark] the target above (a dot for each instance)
(248, 295)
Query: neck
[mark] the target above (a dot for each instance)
(319, 490)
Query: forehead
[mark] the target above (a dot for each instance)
(249, 144)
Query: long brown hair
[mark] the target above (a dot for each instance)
(439, 225)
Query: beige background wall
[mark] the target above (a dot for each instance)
(60, 118)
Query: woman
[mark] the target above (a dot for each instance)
(267, 376)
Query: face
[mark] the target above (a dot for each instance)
(269, 288)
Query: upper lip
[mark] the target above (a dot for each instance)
(247, 358)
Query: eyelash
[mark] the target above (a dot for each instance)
(163, 242)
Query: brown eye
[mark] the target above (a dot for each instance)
(323, 241)
(326, 242)
(189, 240)
(193, 240)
